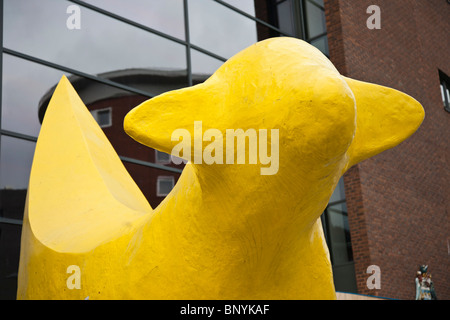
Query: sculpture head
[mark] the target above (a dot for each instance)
(326, 122)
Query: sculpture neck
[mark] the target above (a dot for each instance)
(208, 199)
(242, 231)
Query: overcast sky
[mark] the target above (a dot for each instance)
(38, 28)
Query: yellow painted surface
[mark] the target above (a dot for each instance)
(225, 231)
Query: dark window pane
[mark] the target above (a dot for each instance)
(339, 192)
(445, 92)
(344, 277)
(315, 19)
(267, 12)
(219, 29)
(162, 157)
(165, 185)
(447, 95)
(321, 44)
(9, 259)
(102, 44)
(12, 204)
(339, 234)
(24, 85)
(104, 117)
(16, 156)
(285, 17)
(166, 16)
(340, 248)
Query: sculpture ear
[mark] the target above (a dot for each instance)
(153, 122)
(385, 118)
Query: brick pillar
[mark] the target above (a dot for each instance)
(358, 229)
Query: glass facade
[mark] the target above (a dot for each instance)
(303, 19)
(337, 234)
(108, 47)
(445, 90)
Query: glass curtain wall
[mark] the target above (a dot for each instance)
(337, 234)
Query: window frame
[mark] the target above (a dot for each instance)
(95, 115)
(160, 179)
(300, 20)
(444, 81)
(157, 160)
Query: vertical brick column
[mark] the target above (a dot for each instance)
(358, 228)
(398, 201)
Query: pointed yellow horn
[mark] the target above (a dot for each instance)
(385, 118)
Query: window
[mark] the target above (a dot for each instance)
(164, 185)
(445, 90)
(285, 16)
(162, 157)
(103, 117)
(337, 235)
(304, 19)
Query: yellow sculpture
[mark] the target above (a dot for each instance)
(226, 231)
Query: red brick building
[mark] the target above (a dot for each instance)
(398, 201)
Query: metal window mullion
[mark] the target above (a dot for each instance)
(188, 42)
(18, 135)
(209, 53)
(302, 18)
(143, 27)
(327, 232)
(150, 164)
(316, 5)
(127, 21)
(317, 37)
(336, 202)
(16, 222)
(338, 211)
(126, 159)
(268, 25)
(78, 73)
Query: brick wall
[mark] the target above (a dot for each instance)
(358, 228)
(398, 201)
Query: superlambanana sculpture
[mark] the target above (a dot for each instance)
(226, 231)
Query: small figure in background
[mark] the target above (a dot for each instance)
(424, 285)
